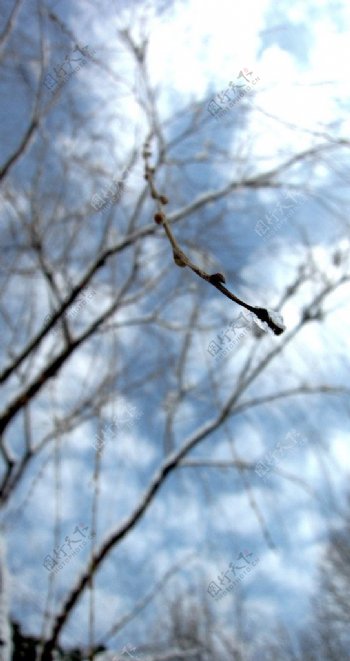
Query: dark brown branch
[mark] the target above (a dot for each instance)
(21, 147)
(181, 260)
(10, 23)
(52, 369)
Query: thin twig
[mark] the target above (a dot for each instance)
(182, 260)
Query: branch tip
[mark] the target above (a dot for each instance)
(271, 319)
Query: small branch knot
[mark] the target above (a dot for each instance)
(179, 259)
(159, 217)
(216, 278)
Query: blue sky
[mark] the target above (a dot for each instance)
(301, 101)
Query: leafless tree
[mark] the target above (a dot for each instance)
(89, 264)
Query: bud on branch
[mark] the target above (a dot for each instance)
(269, 319)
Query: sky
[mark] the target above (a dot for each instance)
(298, 51)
